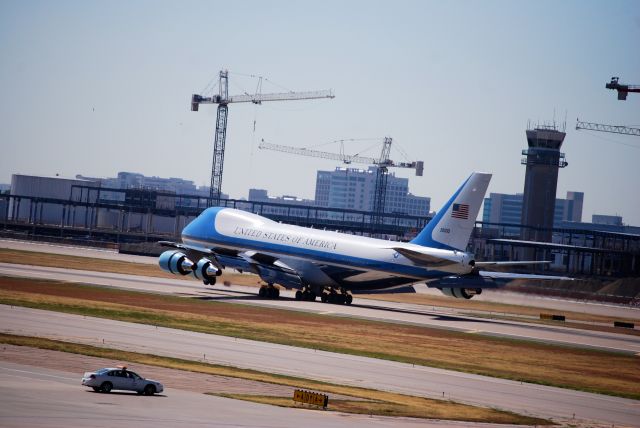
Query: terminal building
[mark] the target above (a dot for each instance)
(48, 189)
(134, 180)
(279, 205)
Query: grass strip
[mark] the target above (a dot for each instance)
(376, 402)
(501, 310)
(413, 407)
(574, 368)
(23, 257)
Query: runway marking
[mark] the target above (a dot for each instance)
(326, 313)
(37, 373)
(474, 331)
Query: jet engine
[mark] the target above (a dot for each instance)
(206, 272)
(461, 293)
(175, 262)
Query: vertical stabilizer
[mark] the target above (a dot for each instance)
(452, 226)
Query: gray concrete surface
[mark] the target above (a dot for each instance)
(338, 368)
(39, 397)
(367, 309)
(71, 250)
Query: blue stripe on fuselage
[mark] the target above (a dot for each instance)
(203, 231)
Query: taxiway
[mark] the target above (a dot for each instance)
(352, 370)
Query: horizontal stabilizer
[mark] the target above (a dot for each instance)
(422, 259)
(511, 276)
(523, 263)
(464, 281)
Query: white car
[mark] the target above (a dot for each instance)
(108, 379)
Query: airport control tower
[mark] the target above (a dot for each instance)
(543, 159)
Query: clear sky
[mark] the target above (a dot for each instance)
(94, 88)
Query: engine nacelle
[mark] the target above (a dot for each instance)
(175, 262)
(461, 293)
(206, 271)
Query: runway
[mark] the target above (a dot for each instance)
(497, 296)
(39, 397)
(367, 309)
(338, 368)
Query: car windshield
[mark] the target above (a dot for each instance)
(102, 371)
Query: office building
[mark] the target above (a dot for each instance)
(507, 209)
(353, 188)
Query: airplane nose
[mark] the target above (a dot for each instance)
(203, 225)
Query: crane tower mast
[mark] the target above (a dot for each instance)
(223, 100)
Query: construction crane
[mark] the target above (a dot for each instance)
(382, 174)
(223, 100)
(622, 89)
(616, 129)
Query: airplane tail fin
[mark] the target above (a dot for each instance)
(452, 226)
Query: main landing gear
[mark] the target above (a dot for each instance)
(330, 295)
(306, 294)
(269, 291)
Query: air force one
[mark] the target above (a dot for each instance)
(333, 265)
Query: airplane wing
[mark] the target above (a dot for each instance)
(296, 273)
(267, 266)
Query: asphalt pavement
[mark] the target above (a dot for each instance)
(421, 315)
(524, 398)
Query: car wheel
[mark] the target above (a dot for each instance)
(149, 390)
(96, 389)
(106, 387)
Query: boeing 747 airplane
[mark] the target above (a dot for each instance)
(333, 265)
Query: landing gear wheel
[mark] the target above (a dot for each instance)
(348, 299)
(273, 292)
(269, 291)
(299, 295)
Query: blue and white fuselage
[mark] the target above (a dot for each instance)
(379, 260)
(330, 264)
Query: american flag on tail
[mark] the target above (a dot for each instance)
(460, 211)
